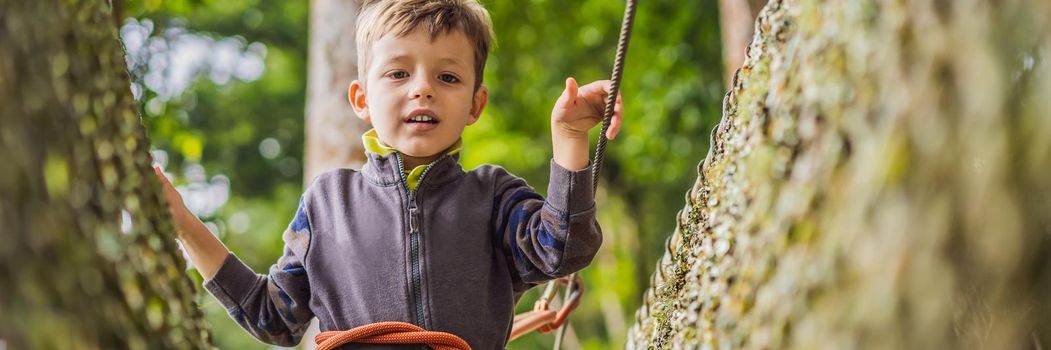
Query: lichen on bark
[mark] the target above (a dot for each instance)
(88, 259)
(879, 180)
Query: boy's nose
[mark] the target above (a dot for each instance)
(423, 89)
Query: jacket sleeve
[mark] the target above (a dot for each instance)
(549, 238)
(275, 307)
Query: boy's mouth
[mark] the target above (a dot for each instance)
(421, 116)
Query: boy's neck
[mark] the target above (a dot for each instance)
(410, 162)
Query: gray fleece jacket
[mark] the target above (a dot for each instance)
(454, 255)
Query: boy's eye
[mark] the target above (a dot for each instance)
(448, 78)
(398, 74)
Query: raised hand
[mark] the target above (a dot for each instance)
(581, 108)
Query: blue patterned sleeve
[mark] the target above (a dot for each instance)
(548, 238)
(274, 308)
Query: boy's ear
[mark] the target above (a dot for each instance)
(356, 96)
(481, 97)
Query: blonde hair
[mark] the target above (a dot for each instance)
(400, 17)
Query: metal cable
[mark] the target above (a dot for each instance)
(618, 68)
(611, 100)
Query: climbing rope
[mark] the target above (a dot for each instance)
(390, 333)
(541, 318)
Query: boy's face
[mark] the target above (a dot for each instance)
(413, 77)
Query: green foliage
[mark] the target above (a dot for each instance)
(672, 91)
(229, 121)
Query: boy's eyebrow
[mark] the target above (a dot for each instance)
(450, 60)
(404, 57)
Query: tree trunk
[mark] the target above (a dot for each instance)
(333, 133)
(736, 19)
(75, 161)
(879, 180)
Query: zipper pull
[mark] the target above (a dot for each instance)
(414, 215)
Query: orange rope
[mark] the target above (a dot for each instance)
(529, 321)
(390, 333)
(541, 318)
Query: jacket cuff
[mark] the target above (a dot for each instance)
(233, 282)
(570, 191)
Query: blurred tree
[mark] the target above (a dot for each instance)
(333, 131)
(89, 259)
(736, 19)
(332, 128)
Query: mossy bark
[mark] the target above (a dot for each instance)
(881, 178)
(88, 258)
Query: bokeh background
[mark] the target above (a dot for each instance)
(222, 87)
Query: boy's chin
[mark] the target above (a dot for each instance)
(424, 148)
(428, 151)
(421, 152)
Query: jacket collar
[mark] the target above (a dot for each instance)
(382, 164)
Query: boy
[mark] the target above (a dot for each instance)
(412, 237)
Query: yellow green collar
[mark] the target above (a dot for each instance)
(372, 143)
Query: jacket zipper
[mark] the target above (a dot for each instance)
(414, 236)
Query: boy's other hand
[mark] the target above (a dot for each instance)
(581, 108)
(176, 206)
(207, 253)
